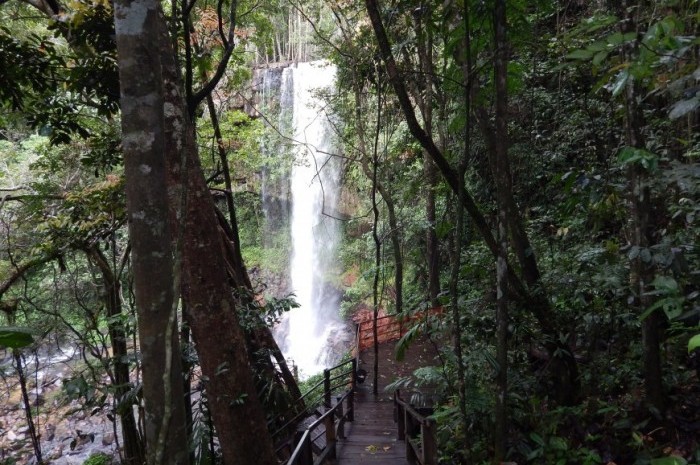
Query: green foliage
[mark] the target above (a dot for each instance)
(98, 458)
(694, 343)
(14, 337)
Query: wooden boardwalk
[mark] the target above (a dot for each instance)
(372, 436)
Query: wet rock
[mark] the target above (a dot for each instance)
(37, 399)
(18, 444)
(50, 432)
(56, 453)
(108, 439)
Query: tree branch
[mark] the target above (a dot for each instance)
(22, 269)
(229, 45)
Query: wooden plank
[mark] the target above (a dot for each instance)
(371, 437)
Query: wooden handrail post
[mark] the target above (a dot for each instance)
(330, 436)
(341, 421)
(411, 457)
(307, 454)
(327, 387)
(429, 443)
(351, 396)
(400, 418)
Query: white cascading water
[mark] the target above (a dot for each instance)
(313, 326)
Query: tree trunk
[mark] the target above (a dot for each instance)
(138, 35)
(377, 251)
(563, 369)
(260, 337)
(133, 444)
(206, 292)
(424, 95)
(466, 66)
(642, 270)
(501, 175)
(395, 232)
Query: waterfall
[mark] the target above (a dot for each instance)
(309, 334)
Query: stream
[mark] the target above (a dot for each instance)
(69, 434)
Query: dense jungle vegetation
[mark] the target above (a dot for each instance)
(531, 167)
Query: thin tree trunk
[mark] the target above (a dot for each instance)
(377, 244)
(502, 176)
(563, 369)
(36, 444)
(458, 242)
(425, 104)
(642, 271)
(133, 444)
(395, 232)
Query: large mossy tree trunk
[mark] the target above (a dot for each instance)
(206, 292)
(143, 143)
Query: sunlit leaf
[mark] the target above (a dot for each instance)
(620, 82)
(683, 107)
(694, 343)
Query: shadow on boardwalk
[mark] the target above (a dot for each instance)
(372, 436)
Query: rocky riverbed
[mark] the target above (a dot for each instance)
(68, 433)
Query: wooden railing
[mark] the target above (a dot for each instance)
(418, 431)
(308, 450)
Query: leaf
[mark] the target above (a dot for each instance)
(620, 82)
(633, 155)
(537, 439)
(15, 337)
(615, 39)
(581, 54)
(683, 107)
(666, 284)
(558, 443)
(694, 343)
(672, 460)
(600, 57)
(405, 342)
